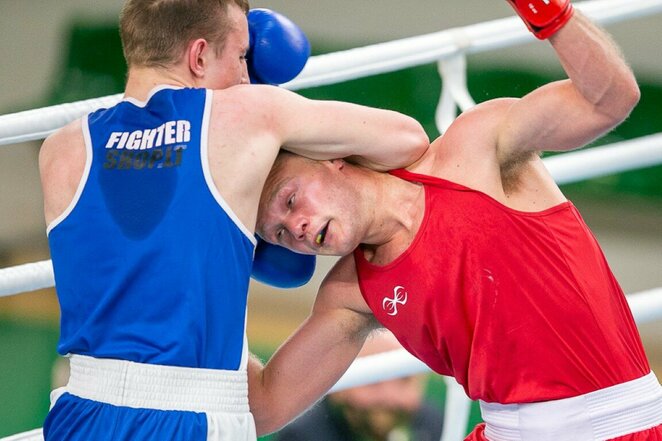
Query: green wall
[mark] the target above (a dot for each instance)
(28, 353)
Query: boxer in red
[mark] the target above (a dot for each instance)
(476, 261)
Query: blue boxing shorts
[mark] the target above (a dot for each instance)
(121, 400)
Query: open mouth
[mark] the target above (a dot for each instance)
(321, 236)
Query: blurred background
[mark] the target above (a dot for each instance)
(55, 52)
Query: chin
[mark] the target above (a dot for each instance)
(329, 252)
(341, 250)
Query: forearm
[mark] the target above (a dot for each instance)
(377, 138)
(279, 393)
(302, 370)
(394, 141)
(276, 393)
(563, 115)
(596, 67)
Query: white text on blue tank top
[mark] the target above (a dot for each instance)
(144, 148)
(171, 132)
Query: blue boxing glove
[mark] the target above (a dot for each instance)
(279, 267)
(278, 48)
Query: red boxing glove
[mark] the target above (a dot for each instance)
(543, 17)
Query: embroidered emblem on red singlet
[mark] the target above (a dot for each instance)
(399, 298)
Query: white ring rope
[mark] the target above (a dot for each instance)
(26, 277)
(633, 154)
(449, 48)
(429, 48)
(565, 168)
(39, 123)
(32, 435)
(353, 63)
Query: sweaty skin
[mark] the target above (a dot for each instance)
(334, 207)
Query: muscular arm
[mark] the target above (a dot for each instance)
(377, 138)
(599, 94)
(311, 361)
(250, 123)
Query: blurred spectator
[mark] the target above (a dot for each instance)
(394, 410)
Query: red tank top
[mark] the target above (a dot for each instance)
(518, 307)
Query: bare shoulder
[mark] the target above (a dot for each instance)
(480, 124)
(248, 104)
(467, 152)
(340, 288)
(67, 138)
(244, 121)
(267, 109)
(63, 152)
(249, 92)
(62, 159)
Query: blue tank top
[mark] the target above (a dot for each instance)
(151, 265)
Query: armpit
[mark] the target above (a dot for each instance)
(511, 169)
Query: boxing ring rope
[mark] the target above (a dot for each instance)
(354, 63)
(449, 49)
(565, 168)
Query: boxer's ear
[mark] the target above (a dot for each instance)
(338, 163)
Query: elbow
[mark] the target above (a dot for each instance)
(422, 142)
(418, 143)
(631, 96)
(401, 147)
(627, 98)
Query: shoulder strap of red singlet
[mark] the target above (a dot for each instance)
(428, 180)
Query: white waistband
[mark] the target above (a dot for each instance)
(604, 414)
(138, 385)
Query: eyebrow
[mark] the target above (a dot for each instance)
(272, 195)
(277, 187)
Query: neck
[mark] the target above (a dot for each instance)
(398, 208)
(141, 80)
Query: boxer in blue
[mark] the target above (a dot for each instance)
(151, 207)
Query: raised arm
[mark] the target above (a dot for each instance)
(599, 94)
(311, 361)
